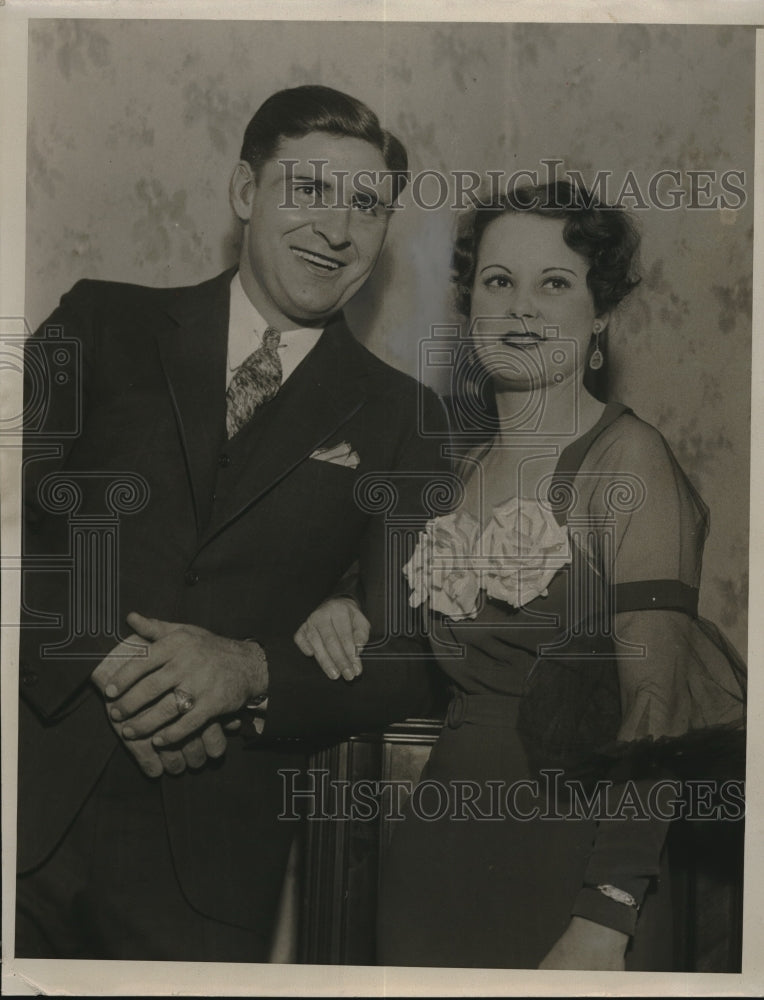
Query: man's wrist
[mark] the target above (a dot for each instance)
(258, 692)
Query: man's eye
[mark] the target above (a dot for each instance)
(365, 203)
(308, 193)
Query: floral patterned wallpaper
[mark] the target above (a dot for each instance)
(134, 127)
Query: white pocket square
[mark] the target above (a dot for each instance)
(338, 454)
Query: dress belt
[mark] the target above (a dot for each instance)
(483, 710)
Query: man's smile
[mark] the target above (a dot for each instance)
(318, 260)
(301, 263)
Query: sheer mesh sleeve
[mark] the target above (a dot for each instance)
(681, 684)
(677, 674)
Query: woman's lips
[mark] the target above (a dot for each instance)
(517, 339)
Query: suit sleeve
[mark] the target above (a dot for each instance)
(58, 365)
(400, 678)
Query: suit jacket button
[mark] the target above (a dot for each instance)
(29, 678)
(191, 577)
(224, 461)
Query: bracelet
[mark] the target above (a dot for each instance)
(618, 895)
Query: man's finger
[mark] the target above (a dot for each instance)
(214, 740)
(146, 758)
(133, 646)
(180, 730)
(142, 695)
(194, 753)
(150, 628)
(148, 721)
(173, 761)
(144, 754)
(135, 669)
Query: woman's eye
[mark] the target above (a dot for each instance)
(556, 283)
(497, 281)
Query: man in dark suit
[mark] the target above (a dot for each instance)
(200, 456)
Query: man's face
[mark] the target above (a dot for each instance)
(311, 239)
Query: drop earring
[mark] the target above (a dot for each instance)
(597, 359)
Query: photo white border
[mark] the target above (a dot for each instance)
(51, 977)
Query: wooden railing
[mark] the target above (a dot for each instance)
(344, 859)
(343, 862)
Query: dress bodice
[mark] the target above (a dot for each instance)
(636, 529)
(495, 651)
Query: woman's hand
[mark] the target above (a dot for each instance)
(587, 946)
(333, 633)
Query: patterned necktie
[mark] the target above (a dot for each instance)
(255, 381)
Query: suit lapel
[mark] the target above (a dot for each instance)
(193, 352)
(327, 388)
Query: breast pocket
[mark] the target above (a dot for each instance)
(328, 483)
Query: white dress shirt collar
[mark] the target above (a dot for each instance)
(245, 332)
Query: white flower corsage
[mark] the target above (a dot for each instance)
(513, 560)
(441, 571)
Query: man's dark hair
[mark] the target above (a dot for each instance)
(293, 113)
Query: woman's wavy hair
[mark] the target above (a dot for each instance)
(604, 235)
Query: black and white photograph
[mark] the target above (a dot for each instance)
(380, 467)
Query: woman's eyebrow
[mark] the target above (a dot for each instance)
(502, 266)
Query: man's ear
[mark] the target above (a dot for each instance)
(242, 190)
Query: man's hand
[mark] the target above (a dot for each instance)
(219, 675)
(193, 753)
(333, 633)
(587, 945)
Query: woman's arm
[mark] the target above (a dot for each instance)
(587, 946)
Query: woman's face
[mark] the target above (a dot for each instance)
(532, 311)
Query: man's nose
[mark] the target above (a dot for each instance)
(333, 223)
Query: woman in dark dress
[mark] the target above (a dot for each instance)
(562, 599)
